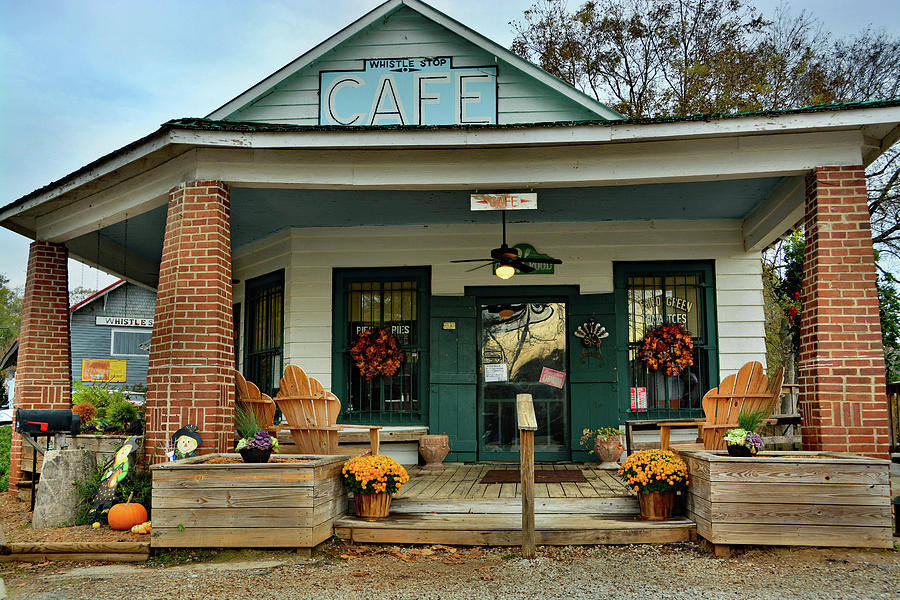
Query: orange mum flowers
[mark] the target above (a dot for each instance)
(654, 471)
(373, 474)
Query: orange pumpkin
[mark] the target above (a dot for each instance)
(125, 515)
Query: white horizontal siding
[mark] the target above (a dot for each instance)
(408, 34)
(587, 249)
(741, 319)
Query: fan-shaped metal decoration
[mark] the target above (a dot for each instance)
(591, 334)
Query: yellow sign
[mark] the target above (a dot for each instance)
(96, 369)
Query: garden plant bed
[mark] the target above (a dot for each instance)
(790, 499)
(199, 503)
(77, 542)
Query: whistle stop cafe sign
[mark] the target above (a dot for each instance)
(409, 91)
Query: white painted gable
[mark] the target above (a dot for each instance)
(401, 29)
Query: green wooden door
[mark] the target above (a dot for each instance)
(452, 374)
(593, 371)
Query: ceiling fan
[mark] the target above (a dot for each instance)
(508, 259)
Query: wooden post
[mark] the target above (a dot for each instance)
(527, 427)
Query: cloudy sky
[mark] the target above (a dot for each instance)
(81, 78)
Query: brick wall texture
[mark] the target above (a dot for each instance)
(188, 380)
(43, 371)
(842, 381)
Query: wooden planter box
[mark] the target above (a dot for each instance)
(790, 499)
(270, 505)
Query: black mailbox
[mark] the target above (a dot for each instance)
(47, 422)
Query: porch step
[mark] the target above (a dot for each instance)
(616, 506)
(488, 529)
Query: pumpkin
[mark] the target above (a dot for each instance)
(125, 515)
(143, 528)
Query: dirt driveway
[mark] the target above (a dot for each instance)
(440, 572)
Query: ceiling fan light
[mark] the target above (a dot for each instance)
(505, 271)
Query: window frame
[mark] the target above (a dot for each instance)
(707, 286)
(112, 341)
(252, 287)
(341, 363)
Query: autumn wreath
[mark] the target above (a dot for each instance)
(376, 352)
(668, 347)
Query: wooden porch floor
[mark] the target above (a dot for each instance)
(461, 481)
(452, 507)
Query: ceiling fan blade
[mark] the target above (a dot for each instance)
(543, 261)
(487, 264)
(472, 260)
(521, 266)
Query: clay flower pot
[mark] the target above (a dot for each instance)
(608, 449)
(434, 449)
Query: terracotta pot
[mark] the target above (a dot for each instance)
(608, 449)
(741, 450)
(372, 506)
(434, 449)
(656, 506)
(255, 455)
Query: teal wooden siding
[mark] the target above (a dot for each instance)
(593, 373)
(453, 408)
(406, 33)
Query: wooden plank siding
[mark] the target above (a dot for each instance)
(790, 499)
(309, 256)
(408, 34)
(260, 505)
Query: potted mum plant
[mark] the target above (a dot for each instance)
(373, 478)
(743, 440)
(656, 476)
(255, 445)
(606, 442)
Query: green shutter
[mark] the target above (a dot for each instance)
(452, 374)
(592, 378)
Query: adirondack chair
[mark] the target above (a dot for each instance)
(248, 397)
(312, 414)
(748, 390)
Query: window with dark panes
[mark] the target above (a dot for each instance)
(392, 300)
(264, 338)
(655, 297)
(131, 343)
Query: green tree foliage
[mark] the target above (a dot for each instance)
(10, 320)
(889, 308)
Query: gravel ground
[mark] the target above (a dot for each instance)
(438, 572)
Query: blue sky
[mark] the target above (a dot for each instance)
(81, 79)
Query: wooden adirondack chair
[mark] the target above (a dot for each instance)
(748, 390)
(248, 397)
(312, 414)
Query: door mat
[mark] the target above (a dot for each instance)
(540, 476)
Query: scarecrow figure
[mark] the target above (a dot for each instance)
(186, 441)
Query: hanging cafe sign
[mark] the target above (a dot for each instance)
(409, 91)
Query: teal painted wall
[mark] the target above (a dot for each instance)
(405, 33)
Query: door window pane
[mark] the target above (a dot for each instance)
(264, 342)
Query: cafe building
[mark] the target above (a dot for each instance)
(341, 193)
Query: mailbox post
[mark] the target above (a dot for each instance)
(527, 427)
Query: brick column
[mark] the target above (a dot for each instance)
(842, 380)
(192, 351)
(44, 365)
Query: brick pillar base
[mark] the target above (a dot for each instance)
(188, 381)
(843, 401)
(44, 366)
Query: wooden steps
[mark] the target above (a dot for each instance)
(506, 529)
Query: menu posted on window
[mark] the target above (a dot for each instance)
(639, 398)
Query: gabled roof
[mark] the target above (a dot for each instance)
(96, 295)
(382, 12)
